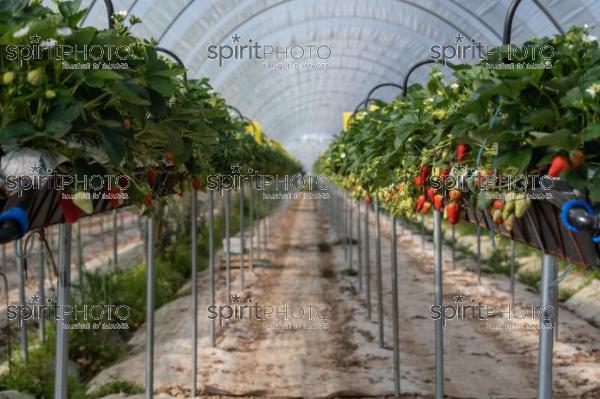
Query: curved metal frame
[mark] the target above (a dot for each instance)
(110, 9)
(510, 14)
(417, 65)
(175, 57)
(379, 86)
(242, 117)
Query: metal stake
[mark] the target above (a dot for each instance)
(211, 257)
(359, 246)
(62, 338)
(453, 245)
(193, 233)
(150, 275)
(439, 302)
(21, 270)
(423, 232)
(228, 244)
(8, 330)
(258, 217)
(396, 334)
(251, 227)
(368, 261)
(115, 237)
(79, 244)
(379, 278)
(478, 255)
(350, 238)
(547, 314)
(512, 272)
(42, 291)
(242, 248)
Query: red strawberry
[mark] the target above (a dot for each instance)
(498, 204)
(559, 165)
(152, 176)
(127, 124)
(71, 211)
(196, 183)
(577, 158)
(431, 192)
(113, 194)
(455, 195)
(461, 152)
(148, 200)
(420, 201)
(368, 201)
(438, 202)
(424, 174)
(169, 158)
(444, 172)
(426, 207)
(418, 182)
(452, 213)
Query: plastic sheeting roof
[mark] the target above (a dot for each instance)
(371, 42)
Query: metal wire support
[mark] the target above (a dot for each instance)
(115, 231)
(242, 247)
(379, 86)
(228, 244)
(379, 277)
(62, 338)
(23, 323)
(415, 67)
(439, 302)
(368, 261)
(350, 237)
(423, 232)
(150, 277)
(547, 319)
(453, 246)
(211, 258)
(359, 246)
(395, 321)
(194, 237)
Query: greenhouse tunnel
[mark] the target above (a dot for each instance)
(300, 198)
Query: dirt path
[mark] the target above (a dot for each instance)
(304, 266)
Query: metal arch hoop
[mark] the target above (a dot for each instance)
(510, 14)
(110, 9)
(416, 66)
(364, 103)
(242, 117)
(379, 86)
(175, 57)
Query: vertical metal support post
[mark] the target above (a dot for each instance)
(242, 247)
(79, 244)
(350, 238)
(20, 257)
(368, 261)
(42, 290)
(150, 276)
(555, 284)
(423, 231)
(7, 327)
(395, 327)
(258, 217)
(228, 244)
(512, 273)
(115, 231)
(211, 258)
(359, 246)
(62, 339)
(250, 226)
(453, 246)
(379, 277)
(193, 233)
(478, 255)
(547, 318)
(439, 302)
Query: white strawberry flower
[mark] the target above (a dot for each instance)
(48, 43)
(593, 90)
(589, 38)
(66, 31)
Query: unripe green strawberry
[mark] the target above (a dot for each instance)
(8, 77)
(521, 206)
(35, 77)
(509, 208)
(50, 94)
(509, 222)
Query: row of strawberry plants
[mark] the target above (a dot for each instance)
(64, 94)
(447, 145)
